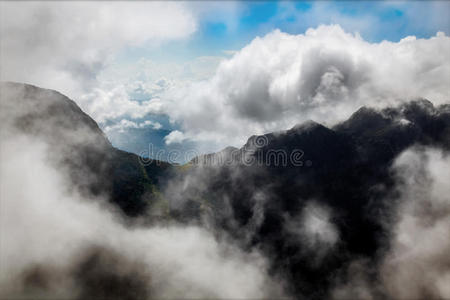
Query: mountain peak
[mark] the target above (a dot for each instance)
(306, 126)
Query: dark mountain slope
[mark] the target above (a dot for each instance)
(382, 134)
(77, 144)
(346, 168)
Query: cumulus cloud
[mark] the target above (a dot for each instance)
(175, 136)
(325, 74)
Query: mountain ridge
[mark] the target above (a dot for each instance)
(346, 168)
(79, 145)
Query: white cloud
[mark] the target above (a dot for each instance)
(317, 225)
(124, 124)
(102, 104)
(325, 74)
(147, 79)
(66, 45)
(174, 137)
(314, 229)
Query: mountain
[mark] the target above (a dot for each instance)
(77, 144)
(346, 167)
(258, 194)
(382, 134)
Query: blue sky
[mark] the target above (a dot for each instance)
(233, 29)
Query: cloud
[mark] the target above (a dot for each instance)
(417, 264)
(67, 45)
(279, 80)
(103, 104)
(314, 230)
(133, 90)
(124, 124)
(174, 137)
(317, 226)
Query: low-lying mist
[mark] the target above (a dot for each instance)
(414, 262)
(56, 243)
(59, 240)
